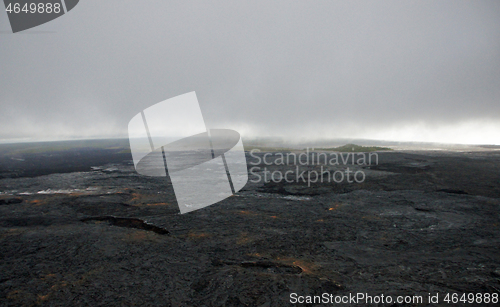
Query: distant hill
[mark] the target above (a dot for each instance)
(355, 148)
(267, 149)
(43, 158)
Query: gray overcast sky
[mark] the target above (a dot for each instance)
(394, 70)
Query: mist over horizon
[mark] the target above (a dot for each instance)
(417, 71)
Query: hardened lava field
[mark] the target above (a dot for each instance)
(91, 231)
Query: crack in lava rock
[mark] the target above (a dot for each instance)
(129, 223)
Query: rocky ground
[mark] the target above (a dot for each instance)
(421, 222)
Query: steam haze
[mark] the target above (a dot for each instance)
(387, 70)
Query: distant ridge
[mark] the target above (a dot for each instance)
(355, 148)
